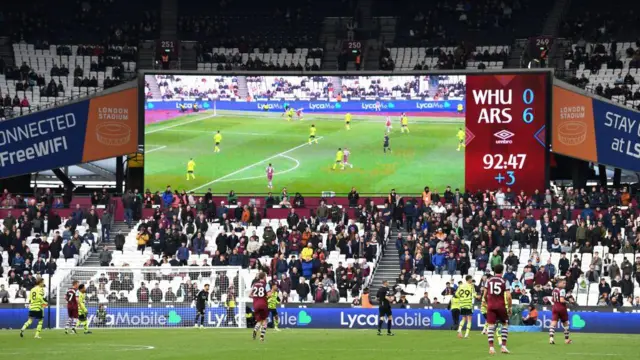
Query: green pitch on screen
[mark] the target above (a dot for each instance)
(427, 156)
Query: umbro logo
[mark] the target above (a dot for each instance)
(504, 137)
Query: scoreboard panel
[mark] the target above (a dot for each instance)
(506, 138)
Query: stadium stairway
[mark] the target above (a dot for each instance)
(118, 227)
(93, 259)
(389, 265)
(153, 87)
(243, 89)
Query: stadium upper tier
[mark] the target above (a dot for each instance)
(451, 21)
(422, 58)
(115, 22)
(55, 74)
(272, 59)
(254, 23)
(611, 70)
(594, 20)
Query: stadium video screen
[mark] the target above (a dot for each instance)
(326, 134)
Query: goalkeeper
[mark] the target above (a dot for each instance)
(82, 309)
(272, 302)
(201, 303)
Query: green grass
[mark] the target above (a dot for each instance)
(425, 157)
(303, 344)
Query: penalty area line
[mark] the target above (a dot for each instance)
(297, 165)
(252, 165)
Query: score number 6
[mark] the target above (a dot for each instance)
(527, 98)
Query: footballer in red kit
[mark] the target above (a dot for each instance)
(72, 307)
(498, 303)
(259, 295)
(559, 312)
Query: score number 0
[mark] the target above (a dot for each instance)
(527, 98)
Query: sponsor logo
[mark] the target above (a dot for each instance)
(270, 106)
(430, 105)
(577, 322)
(321, 106)
(304, 318)
(406, 320)
(504, 137)
(572, 133)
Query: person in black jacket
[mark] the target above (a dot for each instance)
(92, 221)
(119, 242)
(353, 197)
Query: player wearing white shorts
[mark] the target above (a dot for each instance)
(388, 124)
(345, 158)
(270, 171)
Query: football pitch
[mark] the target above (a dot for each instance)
(304, 344)
(250, 141)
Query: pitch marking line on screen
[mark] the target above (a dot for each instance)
(155, 149)
(179, 124)
(231, 132)
(297, 165)
(252, 165)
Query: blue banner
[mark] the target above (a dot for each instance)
(617, 132)
(315, 106)
(332, 318)
(89, 130)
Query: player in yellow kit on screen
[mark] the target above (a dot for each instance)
(217, 138)
(312, 134)
(191, 168)
(461, 136)
(404, 123)
(347, 121)
(339, 157)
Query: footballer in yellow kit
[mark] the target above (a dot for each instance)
(191, 167)
(461, 136)
(347, 121)
(339, 157)
(217, 138)
(312, 134)
(404, 123)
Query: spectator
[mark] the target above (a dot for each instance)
(156, 294)
(105, 256)
(532, 317)
(438, 261)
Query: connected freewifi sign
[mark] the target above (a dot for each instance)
(595, 130)
(89, 130)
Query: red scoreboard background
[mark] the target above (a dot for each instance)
(506, 118)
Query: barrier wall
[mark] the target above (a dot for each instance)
(94, 129)
(595, 130)
(336, 318)
(316, 106)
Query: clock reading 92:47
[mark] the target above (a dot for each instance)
(501, 162)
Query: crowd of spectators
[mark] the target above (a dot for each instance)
(34, 238)
(446, 22)
(457, 228)
(176, 87)
(81, 22)
(595, 64)
(177, 235)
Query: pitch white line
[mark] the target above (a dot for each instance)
(154, 149)
(229, 133)
(179, 124)
(252, 165)
(276, 173)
